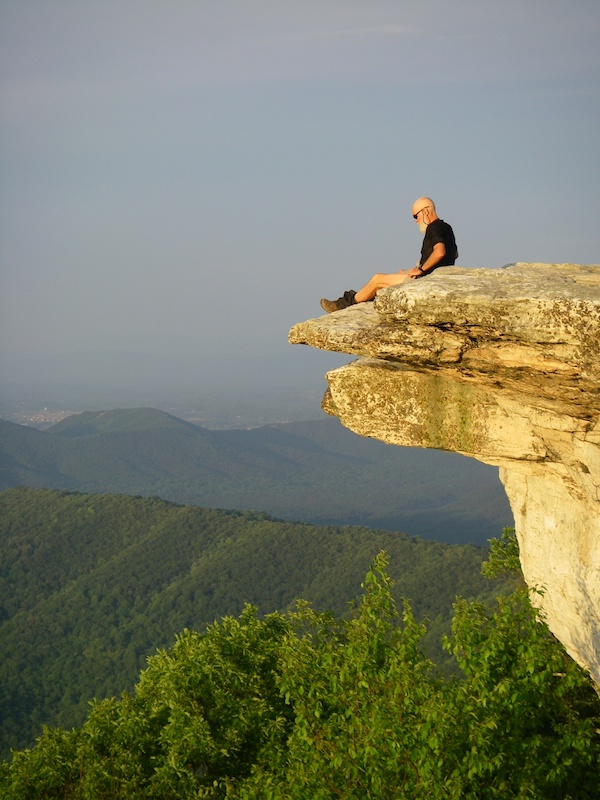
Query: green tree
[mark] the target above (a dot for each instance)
(368, 713)
(526, 714)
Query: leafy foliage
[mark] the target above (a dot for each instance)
(504, 558)
(522, 690)
(305, 706)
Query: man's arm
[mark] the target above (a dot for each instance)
(438, 253)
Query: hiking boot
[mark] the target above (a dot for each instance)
(347, 299)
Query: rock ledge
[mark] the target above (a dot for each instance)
(502, 365)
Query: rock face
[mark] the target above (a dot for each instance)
(502, 365)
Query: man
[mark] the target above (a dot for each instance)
(438, 250)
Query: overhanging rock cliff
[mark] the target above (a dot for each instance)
(502, 365)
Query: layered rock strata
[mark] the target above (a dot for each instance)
(502, 365)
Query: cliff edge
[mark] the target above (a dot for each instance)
(502, 365)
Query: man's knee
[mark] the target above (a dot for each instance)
(383, 279)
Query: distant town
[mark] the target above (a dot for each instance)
(37, 418)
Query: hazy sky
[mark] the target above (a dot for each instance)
(193, 175)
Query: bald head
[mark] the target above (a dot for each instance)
(422, 203)
(423, 211)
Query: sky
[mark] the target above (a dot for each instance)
(191, 176)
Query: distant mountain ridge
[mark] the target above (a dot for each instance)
(93, 422)
(314, 471)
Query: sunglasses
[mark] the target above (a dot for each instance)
(419, 211)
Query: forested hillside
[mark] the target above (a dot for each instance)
(90, 585)
(308, 472)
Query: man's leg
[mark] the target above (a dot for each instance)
(368, 291)
(379, 281)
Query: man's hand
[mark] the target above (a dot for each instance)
(439, 251)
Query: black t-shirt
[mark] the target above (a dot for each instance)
(438, 232)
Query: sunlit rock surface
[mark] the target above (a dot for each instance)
(502, 365)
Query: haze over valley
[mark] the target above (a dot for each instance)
(312, 471)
